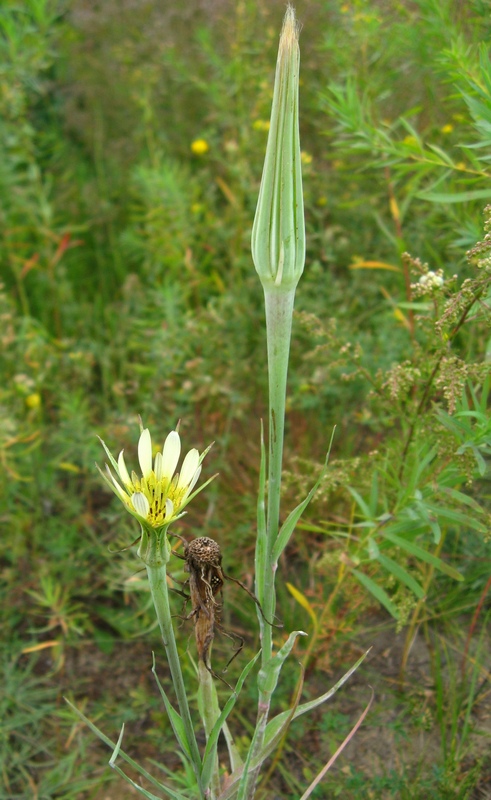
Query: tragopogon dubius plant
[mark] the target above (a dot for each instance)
(158, 497)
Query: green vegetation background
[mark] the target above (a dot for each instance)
(132, 140)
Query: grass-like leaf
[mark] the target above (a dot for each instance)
(114, 746)
(377, 592)
(422, 554)
(174, 717)
(211, 745)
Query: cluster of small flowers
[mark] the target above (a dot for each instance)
(456, 306)
(428, 283)
(451, 379)
(400, 380)
(480, 254)
(432, 280)
(484, 264)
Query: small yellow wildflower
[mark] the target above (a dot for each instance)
(160, 495)
(305, 157)
(33, 400)
(261, 124)
(199, 147)
(448, 128)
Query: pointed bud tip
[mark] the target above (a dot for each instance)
(290, 30)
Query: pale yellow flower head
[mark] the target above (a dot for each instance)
(159, 495)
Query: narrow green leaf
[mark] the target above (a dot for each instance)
(443, 155)
(360, 503)
(293, 517)
(457, 517)
(134, 764)
(400, 573)
(210, 750)
(417, 551)
(277, 726)
(174, 717)
(377, 592)
(240, 791)
(461, 497)
(455, 197)
(253, 760)
(415, 306)
(143, 791)
(115, 754)
(267, 678)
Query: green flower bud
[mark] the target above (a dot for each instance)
(278, 233)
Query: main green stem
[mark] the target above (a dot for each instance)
(157, 578)
(279, 312)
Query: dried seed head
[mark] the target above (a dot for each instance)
(204, 551)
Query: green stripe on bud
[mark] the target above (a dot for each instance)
(278, 233)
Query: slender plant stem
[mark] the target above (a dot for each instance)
(157, 578)
(317, 632)
(415, 617)
(279, 311)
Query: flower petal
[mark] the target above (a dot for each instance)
(193, 481)
(188, 469)
(170, 454)
(123, 472)
(169, 509)
(140, 504)
(158, 466)
(145, 453)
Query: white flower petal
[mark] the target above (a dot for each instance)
(145, 453)
(194, 480)
(158, 466)
(140, 504)
(188, 469)
(169, 508)
(170, 454)
(123, 472)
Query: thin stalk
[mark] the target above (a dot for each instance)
(305, 662)
(279, 311)
(415, 621)
(157, 579)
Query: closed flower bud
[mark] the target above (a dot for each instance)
(278, 233)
